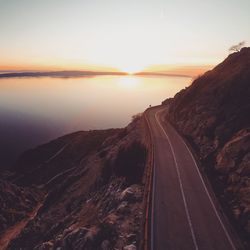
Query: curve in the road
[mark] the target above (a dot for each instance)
(180, 183)
(184, 214)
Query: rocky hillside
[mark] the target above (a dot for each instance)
(214, 115)
(23, 198)
(80, 191)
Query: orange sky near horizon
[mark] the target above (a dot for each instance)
(178, 37)
(187, 70)
(55, 67)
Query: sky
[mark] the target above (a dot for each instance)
(126, 35)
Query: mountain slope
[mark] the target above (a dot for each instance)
(91, 185)
(214, 115)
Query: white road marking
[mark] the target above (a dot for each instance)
(209, 197)
(180, 183)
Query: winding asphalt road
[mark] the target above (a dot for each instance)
(185, 213)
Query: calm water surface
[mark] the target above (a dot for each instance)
(35, 110)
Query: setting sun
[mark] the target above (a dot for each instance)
(131, 69)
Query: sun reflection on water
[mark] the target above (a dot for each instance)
(129, 82)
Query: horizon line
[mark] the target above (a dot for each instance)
(82, 73)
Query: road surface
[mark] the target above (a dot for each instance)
(185, 213)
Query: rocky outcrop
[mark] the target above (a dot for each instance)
(93, 190)
(213, 114)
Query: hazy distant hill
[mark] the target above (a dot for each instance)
(160, 74)
(59, 74)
